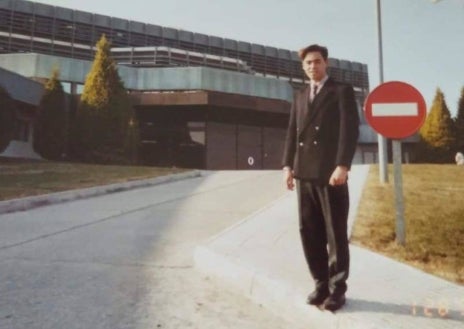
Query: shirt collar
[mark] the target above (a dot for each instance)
(321, 83)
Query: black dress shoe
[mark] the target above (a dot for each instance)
(317, 297)
(333, 303)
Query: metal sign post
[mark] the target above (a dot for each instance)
(381, 140)
(396, 110)
(399, 203)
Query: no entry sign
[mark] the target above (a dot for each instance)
(395, 109)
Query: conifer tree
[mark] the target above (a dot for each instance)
(50, 128)
(105, 129)
(459, 124)
(437, 132)
(7, 116)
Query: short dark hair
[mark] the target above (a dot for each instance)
(314, 48)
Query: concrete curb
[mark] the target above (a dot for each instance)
(26, 203)
(261, 257)
(264, 289)
(267, 289)
(272, 293)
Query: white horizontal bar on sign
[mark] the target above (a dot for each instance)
(395, 109)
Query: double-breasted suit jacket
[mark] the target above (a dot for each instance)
(321, 134)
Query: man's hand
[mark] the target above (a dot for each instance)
(288, 179)
(339, 176)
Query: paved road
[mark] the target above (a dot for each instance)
(125, 260)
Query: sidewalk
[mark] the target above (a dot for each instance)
(262, 257)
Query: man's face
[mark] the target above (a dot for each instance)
(315, 66)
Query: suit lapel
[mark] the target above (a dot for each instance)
(310, 110)
(304, 107)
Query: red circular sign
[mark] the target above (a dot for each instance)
(395, 109)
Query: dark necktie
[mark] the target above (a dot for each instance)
(314, 91)
(313, 94)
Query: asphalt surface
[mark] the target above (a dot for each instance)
(125, 259)
(199, 250)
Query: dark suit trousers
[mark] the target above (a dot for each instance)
(323, 213)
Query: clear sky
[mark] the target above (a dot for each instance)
(423, 41)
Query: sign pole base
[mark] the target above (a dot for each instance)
(398, 179)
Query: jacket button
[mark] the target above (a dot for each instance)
(301, 144)
(317, 128)
(315, 142)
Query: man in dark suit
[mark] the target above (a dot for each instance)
(321, 141)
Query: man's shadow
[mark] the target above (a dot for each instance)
(424, 310)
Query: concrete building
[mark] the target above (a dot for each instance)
(26, 95)
(202, 101)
